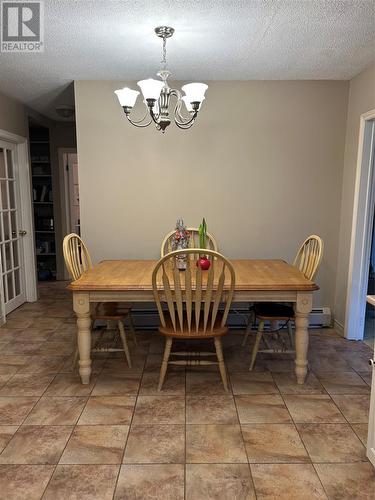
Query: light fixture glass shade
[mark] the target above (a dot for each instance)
(151, 88)
(187, 102)
(127, 97)
(195, 91)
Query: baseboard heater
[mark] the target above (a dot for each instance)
(146, 317)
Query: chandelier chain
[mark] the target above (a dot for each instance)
(164, 59)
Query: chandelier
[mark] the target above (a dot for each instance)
(157, 96)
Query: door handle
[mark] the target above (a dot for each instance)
(22, 232)
(371, 362)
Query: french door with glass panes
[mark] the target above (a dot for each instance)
(12, 268)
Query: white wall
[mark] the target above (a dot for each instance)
(263, 164)
(361, 100)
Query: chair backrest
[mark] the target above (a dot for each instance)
(166, 246)
(193, 296)
(309, 256)
(76, 256)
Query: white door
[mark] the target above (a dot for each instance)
(11, 231)
(371, 422)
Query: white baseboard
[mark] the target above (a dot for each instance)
(339, 327)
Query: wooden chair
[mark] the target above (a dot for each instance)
(166, 246)
(307, 260)
(78, 260)
(188, 304)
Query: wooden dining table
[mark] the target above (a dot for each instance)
(130, 281)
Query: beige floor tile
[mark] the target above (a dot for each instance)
(82, 482)
(159, 410)
(120, 365)
(355, 408)
(6, 433)
(348, 481)
(69, 384)
(214, 444)
(286, 482)
(46, 322)
(8, 370)
(174, 384)
(200, 382)
(262, 408)
(159, 482)
(287, 384)
(56, 348)
(155, 444)
(108, 410)
(280, 365)
(331, 443)
(367, 377)
(43, 364)
(33, 335)
(26, 384)
(21, 323)
(96, 444)
(55, 410)
(217, 409)
(253, 383)
(344, 383)
(273, 443)
(27, 348)
(219, 481)
(16, 480)
(117, 384)
(361, 430)
(313, 408)
(13, 411)
(13, 360)
(36, 445)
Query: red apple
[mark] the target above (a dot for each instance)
(203, 263)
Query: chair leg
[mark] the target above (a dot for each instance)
(132, 329)
(290, 334)
(256, 344)
(164, 365)
(220, 358)
(124, 342)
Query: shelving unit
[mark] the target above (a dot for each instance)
(44, 220)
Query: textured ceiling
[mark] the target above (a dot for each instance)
(214, 40)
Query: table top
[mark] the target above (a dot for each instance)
(251, 274)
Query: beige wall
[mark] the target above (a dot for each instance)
(361, 100)
(263, 164)
(13, 116)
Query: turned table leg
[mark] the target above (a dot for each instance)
(302, 309)
(81, 306)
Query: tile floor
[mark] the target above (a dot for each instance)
(119, 438)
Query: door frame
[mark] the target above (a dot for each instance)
(26, 212)
(64, 195)
(362, 224)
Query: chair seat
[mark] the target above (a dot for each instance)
(273, 311)
(217, 331)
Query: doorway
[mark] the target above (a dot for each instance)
(70, 160)
(17, 261)
(362, 231)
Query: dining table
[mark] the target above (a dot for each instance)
(256, 280)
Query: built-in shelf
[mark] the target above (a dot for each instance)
(45, 232)
(45, 254)
(38, 142)
(37, 162)
(43, 202)
(41, 175)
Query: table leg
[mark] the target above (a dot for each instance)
(302, 309)
(81, 306)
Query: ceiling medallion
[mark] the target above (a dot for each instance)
(157, 96)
